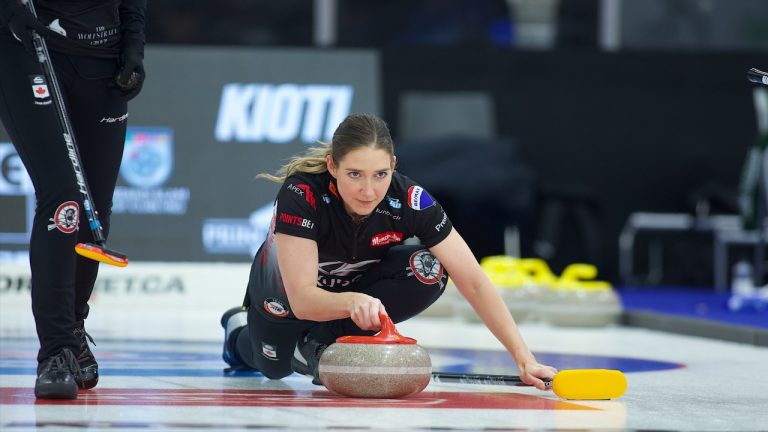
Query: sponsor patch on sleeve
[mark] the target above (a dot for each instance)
(419, 199)
(442, 223)
(304, 191)
(425, 267)
(276, 307)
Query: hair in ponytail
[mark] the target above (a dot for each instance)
(356, 131)
(311, 162)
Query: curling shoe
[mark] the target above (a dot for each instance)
(89, 369)
(306, 358)
(58, 376)
(233, 321)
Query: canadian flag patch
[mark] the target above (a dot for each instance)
(40, 90)
(39, 87)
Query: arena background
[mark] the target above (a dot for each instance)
(559, 137)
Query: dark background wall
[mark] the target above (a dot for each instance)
(633, 131)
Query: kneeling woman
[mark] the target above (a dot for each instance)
(334, 260)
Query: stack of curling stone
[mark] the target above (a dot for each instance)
(521, 284)
(503, 273)
(539, 280)
(387, 365)
(576, 299)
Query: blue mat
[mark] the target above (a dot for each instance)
(690, 303)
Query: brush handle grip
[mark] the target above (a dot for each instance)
(510, 380)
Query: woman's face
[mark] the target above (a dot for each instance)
(362, 178)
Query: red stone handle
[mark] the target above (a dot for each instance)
(388, 335)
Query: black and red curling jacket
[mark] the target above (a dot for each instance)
(309, 206)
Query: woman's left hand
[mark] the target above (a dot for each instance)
(534, 373)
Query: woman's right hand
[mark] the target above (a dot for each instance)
(365, 311)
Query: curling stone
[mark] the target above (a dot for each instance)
(504, 273)
(539, 281)
(387, 365)
(579, 300)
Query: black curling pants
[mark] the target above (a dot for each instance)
(268, 343)
(62, 281)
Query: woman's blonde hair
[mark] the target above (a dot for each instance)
(356, 131)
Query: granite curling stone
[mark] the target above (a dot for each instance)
(387, 365)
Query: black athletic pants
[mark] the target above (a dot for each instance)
(62, 281)
(403, 294)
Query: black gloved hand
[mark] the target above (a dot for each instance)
(130, 78)
(22, 23)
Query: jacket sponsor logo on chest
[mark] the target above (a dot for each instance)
(388, 213)
(296, 220)
(386, 238)
(394, 202)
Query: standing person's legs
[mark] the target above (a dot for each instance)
(28, 114)
(99, 120)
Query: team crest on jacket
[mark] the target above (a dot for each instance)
(65, 218)
(275, 307)
(419, 199)
(426, 267)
